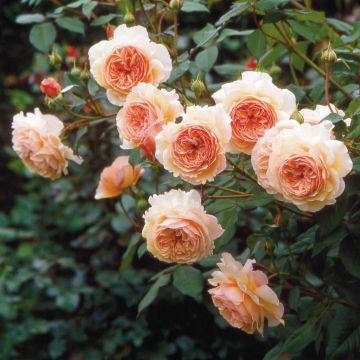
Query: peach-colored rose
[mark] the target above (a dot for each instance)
(195, 148)
(262, 150)
(254, 104)
(143, 115)
(36, 139)
(117, 177)
(243, 296)
(314, 117)
(303, 165)
(177, 228)
(127, 59)
(50, 87)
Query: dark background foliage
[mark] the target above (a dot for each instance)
(70, 285)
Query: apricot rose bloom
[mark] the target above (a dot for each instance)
(127, 59)
(117, 177)
(177, 228)
(254, 104)
(314, 117)
(195, 148)
(302, 164)
(243, 296)
(143, 115)
(36, 139)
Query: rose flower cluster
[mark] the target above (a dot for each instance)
(299, 163)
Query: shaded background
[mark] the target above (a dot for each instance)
(62, 295)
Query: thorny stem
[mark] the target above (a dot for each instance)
(241, 171)
(227, 189)
(327, 77)
(134, 223)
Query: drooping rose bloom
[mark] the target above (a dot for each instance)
(302, 164)
(254, 104)
(50, 87)
(143, 115)
(117, 177)
(36, 139)
(127, 59)
(314, 117)
(177, 228)
(243, 296)
(195, 148)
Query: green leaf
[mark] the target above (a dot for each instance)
(340, 25)
(206, 59)
(235, 11)
(191, 6)
(29, 18)
(42, 36)
(300, 338)
(232, 32)
(333, 239)
(295, 59)
(57, 347)
(135, 157)
(88, 8)
(228, 220)
(101, 20)
(333, 117)
(71, 24)
(272, 55)
(270, 4)
(179, 71)
(151, 295)
(256, 43)
(304, 30)
(129, 253)
(189, 281)
(354, 106)
(350, 256)
(331, 216)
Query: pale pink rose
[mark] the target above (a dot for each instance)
(127, 59)
(303, 165)
(117, 177)
(177, 229)
(195, 148)
(143, 115)
(314, 117)
(254, 104)
(36, 139)
(243, 296)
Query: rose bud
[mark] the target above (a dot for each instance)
(176, 4)
(72, 53)
(329, 56)
(251, 64)
(109, 31)
(50, 87)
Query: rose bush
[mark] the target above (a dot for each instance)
(227, 147)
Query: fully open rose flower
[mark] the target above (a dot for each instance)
(127, 59)
(254, 104)
(177, 228)
(303, 165)
(143, 115)
(36, 139)
(243, 296)
(195, 148)
(314, 117)
(262, 150)
(117, 177)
